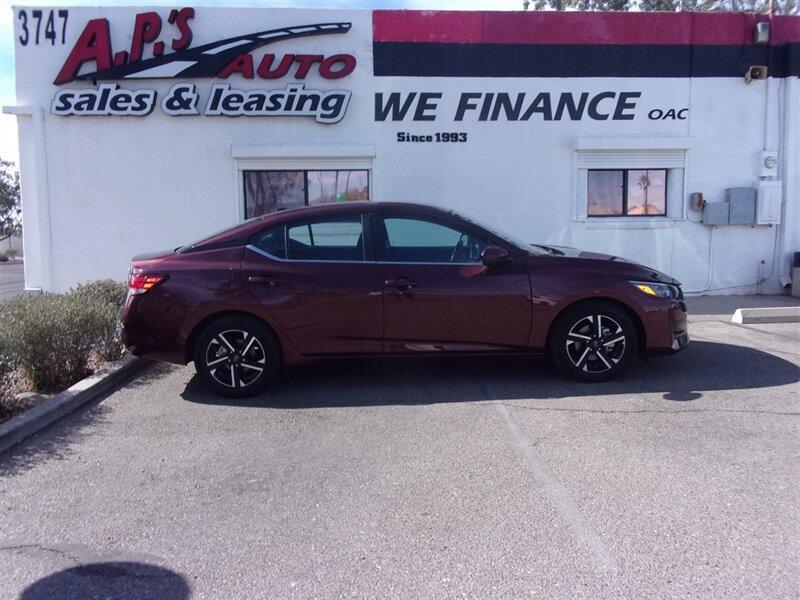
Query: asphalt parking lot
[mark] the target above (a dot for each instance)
(483, 479)
(12, 279)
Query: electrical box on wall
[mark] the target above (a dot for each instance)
(768, 164)
(715, 213)
(768, 205)
(742, 202)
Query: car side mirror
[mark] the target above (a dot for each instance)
(494, 256)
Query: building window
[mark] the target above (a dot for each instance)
(627, 193)
(270, 191)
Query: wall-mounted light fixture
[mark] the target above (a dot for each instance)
(761, 33)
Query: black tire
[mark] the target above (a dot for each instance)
(579, 350)
(231, 350)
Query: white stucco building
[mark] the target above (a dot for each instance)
(147, 128)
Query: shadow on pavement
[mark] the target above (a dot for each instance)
(151, 372)
(111, 580)
(702, 367)
(55, 441)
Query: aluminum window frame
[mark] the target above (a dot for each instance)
(666, 152)
(625, 214)
(300, 158)
(305, 172)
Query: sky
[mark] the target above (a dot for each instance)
(8, 127)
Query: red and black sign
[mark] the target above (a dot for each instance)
(216, 59)
(579, 44)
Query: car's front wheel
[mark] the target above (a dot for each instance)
(237, 356)
(595, 341)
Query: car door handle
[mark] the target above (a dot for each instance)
(401, 283)
(263, 280)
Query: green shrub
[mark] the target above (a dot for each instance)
(108, 345)
(3, 257)
(5, 362)
(51, 337)
(110, 296)
(107, 291)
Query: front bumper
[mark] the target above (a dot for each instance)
(669, 329)
(679, 327)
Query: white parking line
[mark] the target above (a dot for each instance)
(559, 496)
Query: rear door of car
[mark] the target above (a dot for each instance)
(439, 297)
(318, 279)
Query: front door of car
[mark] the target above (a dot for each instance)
(440, 297)
(314, 279)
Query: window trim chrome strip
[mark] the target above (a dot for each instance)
(258, 250)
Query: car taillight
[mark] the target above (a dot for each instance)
(139, 284)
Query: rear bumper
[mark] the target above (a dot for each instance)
(140, 339)
(668, 330)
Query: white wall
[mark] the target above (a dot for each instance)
(118, 186)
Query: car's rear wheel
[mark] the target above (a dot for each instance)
(595, 341)
(237, 356)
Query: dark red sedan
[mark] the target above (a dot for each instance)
(390, 279)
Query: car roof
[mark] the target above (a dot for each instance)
(352, 206)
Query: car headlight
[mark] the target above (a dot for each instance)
(659, 290)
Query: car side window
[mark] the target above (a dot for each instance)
(273, 242)
(403, 239)
(339, 239)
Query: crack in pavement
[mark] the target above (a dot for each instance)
(602, 556)
(559, 496)
(40, 547)
(650, 411)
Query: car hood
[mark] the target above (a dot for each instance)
(570, 252)
(618, 263)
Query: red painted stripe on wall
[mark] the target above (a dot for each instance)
(576, 27)
(785, 30)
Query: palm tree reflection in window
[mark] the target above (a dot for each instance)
(646, 192)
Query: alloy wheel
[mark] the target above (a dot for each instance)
(235, 358)
(595, 343)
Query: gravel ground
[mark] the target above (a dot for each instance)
(425, 480)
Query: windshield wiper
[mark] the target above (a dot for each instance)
(549, 249)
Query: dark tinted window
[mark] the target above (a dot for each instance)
(188, 247)
(332, 239)
(273, 242)
(417, 240)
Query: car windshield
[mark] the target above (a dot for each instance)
(519, 243)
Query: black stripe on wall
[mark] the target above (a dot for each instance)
(415, 59)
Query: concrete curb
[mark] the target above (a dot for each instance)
(780, 314)
(43, 414)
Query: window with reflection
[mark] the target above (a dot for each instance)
(627, 193)
(270, 191)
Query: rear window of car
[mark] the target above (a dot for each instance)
(272, 241)
(208, 238)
